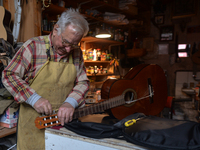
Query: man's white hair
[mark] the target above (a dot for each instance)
(74, 18)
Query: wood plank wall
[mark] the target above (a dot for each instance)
(30, 18)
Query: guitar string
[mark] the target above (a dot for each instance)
(150, 95)
(128, 102)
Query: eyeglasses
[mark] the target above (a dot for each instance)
(68, 44)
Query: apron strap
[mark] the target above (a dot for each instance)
(46, 39)
(70, 59)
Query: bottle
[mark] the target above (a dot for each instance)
(101, 69)
(99, 54)
(95, 69)
(119, 35)
(107, 56)
(122, 36)
(94, 54)
(103, 56)
(90, 56)
(112, 31)
(92, 70)
(45, 24)
(116, 38)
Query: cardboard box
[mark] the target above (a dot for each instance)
(10, 116)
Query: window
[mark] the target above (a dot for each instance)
(184, 50)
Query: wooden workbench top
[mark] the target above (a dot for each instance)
(6, 131)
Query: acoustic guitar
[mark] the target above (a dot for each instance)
(5, 31)
(143, 89)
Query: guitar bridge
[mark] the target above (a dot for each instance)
(150, 90)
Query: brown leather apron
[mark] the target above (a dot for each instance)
(54, 82)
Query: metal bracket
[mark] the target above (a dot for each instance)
(43, 1)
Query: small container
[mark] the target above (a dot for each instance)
(89, 70)
(103, 56)
(90, 56)
(92, 70)
(95, 69)
(101, 69)
(99, 54)
(104, 70)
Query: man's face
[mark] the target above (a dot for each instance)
(66, 41)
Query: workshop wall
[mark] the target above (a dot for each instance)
(167, 61)
(30, 18)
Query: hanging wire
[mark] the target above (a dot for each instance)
(150, 95)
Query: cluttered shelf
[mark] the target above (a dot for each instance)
(93, 39)
(99, 74)
(112, 6)
(94, 11)
(99, 40)
(91, 61)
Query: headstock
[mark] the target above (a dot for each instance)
(46, 121)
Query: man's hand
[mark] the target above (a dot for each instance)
(65, 113)
(43, 106)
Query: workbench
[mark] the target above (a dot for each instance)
(6, 131)
(63, 139)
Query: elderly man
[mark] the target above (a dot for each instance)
(48, 73)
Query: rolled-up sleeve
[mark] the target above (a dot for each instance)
(82, 82)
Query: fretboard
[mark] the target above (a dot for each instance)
(99, 107)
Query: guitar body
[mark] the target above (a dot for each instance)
(136, 85)
(5, 32)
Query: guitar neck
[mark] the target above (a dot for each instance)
(52, 120)
(99, 107)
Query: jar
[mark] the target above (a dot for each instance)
(95, 69)
(85, 57)
(90, 56)
(89, 70)
(101, 69)
(104, 70)
(103, 56)
(92, 70)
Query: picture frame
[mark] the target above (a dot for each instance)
(167, 33)
(184, 8)
(159, 19)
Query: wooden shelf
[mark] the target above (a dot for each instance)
(99, 40)
(98, 74)
(54, 9)
(102, 7)
(46, 32)
(93, 39)
(90, 61)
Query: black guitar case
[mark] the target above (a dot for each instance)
(148, 131)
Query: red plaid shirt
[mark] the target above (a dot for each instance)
(27, 62)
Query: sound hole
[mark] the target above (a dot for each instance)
(130, 95)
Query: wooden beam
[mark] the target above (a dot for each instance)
(5, 4)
